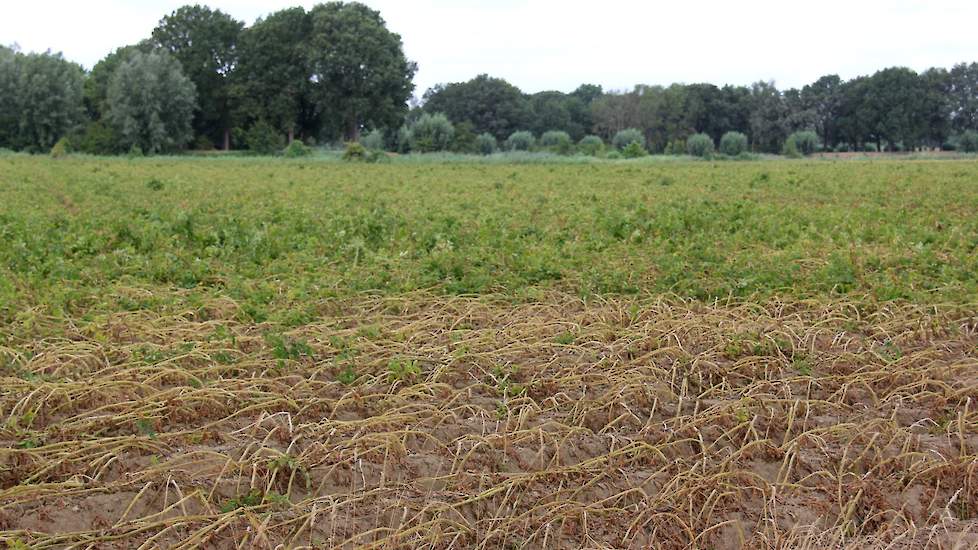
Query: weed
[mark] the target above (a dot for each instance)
(565, 338)
(147, 427)
(347, 376)
(803, 366)
(253, 498)
(402, 370)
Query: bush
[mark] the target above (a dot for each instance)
(203, 143)
(297, 149)
(625, 137)
(614, 154)
(486, 144)
(591, 145)
(675, 147)
(61, 148)
(805, 143)
(97, 138)
(355, 152)
(378, 157)
(733, 144)
(373, 140)
(262, 138)
(403, 139)
(135, 151)
(557, 141)
(431, 133)
(464, 141)
(968, 142)
(790, 149)
(700, 145)
(520, 141)
(634, 150)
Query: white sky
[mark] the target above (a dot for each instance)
(558, 44)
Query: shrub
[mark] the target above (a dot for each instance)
(377, 157)
(557, 141)
(733, 144)
(805, 142)
(614, 154)
(634, 150)
(464, 141)
(203, 143)
(968, 142)
(520, 141)
(486, 144)
(97, 138)
(591, 145)
(135, 151)
(625, 137)
(404, 139)
(373, 140)
(790, 149)
(675, 147)
(699, 145)
(355, 152)
(264, 139)
(61, 148)
(431, 133)
(297, 149)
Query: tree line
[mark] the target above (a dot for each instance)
(205, 80)
(895, 109)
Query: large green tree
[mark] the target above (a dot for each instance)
(964, 96)
(204, 41)
(936, 106)
(767, 117)
(10, 67)
(854, 121)
(552, 111)
(615, 112)
(716, 111)
(824, 99)
(359, 73)
(40, 99)
(580, 110)
(97, 81)
(273, 72)
(491, 105)
(151, 103)
(896, 101)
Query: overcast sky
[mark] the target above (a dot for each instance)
(558, 44)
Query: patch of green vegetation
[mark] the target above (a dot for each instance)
(347, 376)
(86, 237)
(253, 498)
(565, 338)
(503, 379)
(400, 370)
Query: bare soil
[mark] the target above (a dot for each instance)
(558, 424)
